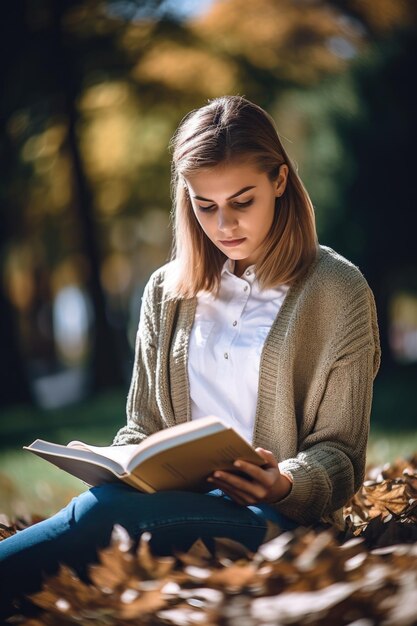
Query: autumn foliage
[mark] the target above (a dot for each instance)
(365, 575)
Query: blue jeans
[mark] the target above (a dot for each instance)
(175, 519)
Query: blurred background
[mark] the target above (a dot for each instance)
(92, 92)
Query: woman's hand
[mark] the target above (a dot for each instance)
(267, 484)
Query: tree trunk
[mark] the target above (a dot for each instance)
(106, 366)
(14, 384)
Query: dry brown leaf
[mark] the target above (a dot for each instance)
(152, 566)
(135, 606)
(202, 596)
(198, 554)
(187, 616)
(411, 485)
(275, 548)
(231, 550)
(386, 497)
(365, 575)
(6, 531)
(380, 532)
(65, 591)
(233, 577)
(113, 571)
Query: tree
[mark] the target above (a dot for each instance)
(47, 51)
(361, 132)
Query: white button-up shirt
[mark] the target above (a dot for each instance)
(225, 347)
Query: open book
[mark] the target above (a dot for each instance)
(179, 457)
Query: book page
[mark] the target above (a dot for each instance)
(56, 451)
(120, 454)
(91, 468)
(129, 455)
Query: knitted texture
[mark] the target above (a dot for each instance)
(316, 376)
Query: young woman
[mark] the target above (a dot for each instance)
(253, 321)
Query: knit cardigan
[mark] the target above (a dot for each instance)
(316, 377)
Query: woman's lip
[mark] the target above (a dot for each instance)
(232, 242)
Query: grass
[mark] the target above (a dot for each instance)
(101, 416)
(386, 447)
(29, 485)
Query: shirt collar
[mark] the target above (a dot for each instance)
(229, 266)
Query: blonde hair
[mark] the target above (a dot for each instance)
(231, 129)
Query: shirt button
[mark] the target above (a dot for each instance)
(226, 356)
(245, 288)
(235, 323)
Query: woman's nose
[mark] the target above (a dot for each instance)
(226, 220)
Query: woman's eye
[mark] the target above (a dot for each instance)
(242, 205)
(238, 205)
(206, 209)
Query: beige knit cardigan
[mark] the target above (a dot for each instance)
(316, 377)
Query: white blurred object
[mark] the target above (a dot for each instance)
(71, 322)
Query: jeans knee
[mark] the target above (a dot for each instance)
(103, 504)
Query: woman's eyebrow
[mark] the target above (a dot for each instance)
(230, 197)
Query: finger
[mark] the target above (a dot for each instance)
(236, 481)
(257, 474)
(267, 456)
(242, 486)
(236, 495)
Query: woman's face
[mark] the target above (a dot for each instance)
(235, 205)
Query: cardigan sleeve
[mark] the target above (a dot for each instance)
(330, 465)
(143, 416)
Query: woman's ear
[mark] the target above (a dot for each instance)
(281, 181)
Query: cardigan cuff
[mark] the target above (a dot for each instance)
(302, 504)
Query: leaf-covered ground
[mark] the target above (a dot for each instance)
(365, 576)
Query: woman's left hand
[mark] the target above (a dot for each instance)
(267, 484)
